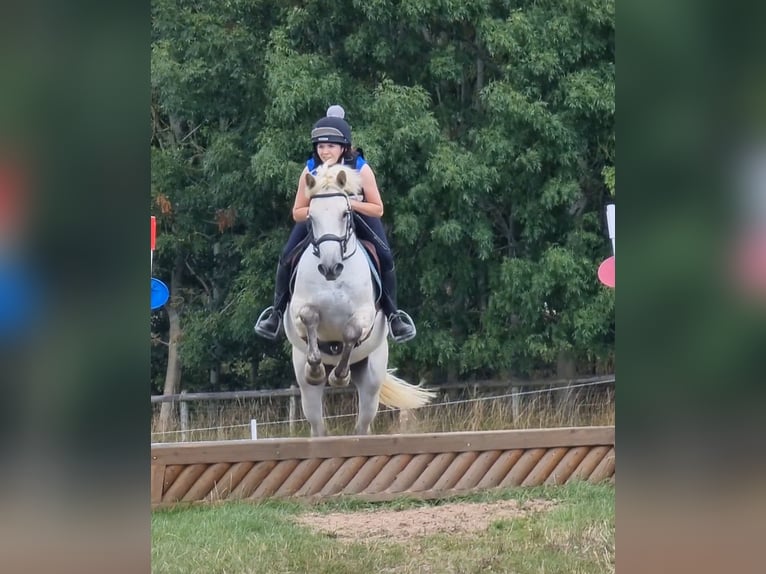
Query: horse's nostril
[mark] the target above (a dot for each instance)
(322, 269)
(337, 269)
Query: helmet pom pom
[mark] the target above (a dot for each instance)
(336, 111)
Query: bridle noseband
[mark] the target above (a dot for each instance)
(316, 241)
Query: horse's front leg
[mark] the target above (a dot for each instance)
(314, 373)
(341, 374)
(311, 395)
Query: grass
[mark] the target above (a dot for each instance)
(468, 411)
(576, 536)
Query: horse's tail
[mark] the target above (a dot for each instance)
(399, 394)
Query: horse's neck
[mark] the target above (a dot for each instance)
(356, 275)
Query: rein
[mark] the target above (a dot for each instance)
(343, 240)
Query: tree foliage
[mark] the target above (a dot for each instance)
(490, 126)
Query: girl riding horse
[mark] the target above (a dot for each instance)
(331, 138)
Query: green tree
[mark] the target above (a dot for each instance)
(490, 126)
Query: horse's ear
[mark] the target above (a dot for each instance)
(341, 178)
(310, 181)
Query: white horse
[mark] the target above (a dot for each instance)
(337, 333)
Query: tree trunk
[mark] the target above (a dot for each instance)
(173, 372)
(253, 373)
(479, 81)
(566, 368)
(215, 305)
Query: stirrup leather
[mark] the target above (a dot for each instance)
(263, 332)
(406, 319)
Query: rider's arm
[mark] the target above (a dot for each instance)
(301, 205)
(372, 204)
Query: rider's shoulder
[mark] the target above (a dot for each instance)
(358, 159)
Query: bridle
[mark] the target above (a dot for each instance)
(343, 240)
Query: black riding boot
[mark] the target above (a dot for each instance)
(270, 320)
(400, 323)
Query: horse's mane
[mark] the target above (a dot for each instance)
(327, 181)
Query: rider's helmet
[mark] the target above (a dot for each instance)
(332, 128)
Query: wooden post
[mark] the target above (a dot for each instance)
(407, 421)
(292, 408)
(253, 429)
(183, 408)
(566, 368)
(157, 482)
(515, 403)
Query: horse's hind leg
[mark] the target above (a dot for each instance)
(311, 396)
(314, 371)
(368, 382)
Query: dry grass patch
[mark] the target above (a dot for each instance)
(402, 525)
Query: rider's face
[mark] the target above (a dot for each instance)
(329, 153)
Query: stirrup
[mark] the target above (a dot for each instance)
(272, 336)
(406, 319)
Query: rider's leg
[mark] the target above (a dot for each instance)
(402, 326)
(270, 319)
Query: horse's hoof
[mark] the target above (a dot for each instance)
(316, 381)
(339, 382)
(315, 377)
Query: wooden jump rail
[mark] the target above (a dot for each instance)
(379, 467)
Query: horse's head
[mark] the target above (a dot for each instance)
(331, 218)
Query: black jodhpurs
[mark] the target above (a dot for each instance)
(299, 232)
(371, 229)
